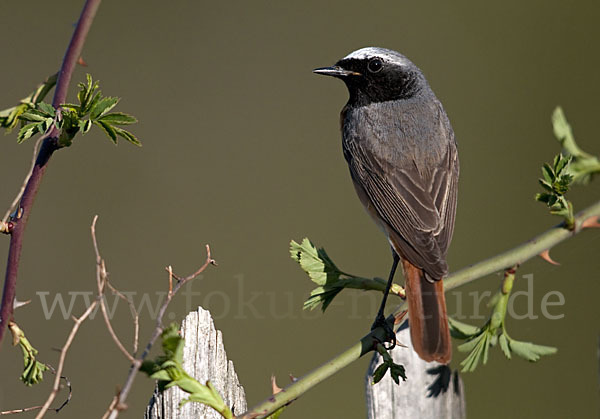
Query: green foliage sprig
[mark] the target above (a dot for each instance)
(33, 371)
(329, 278)
(572, 165)
(556, 182)
(96, 107)
(9, 118)
(493, 332)
(583, 165)
(37, 117)
(168, 370)
(397, 371)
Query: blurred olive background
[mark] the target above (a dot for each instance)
(241, 149)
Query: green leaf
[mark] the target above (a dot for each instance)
(321, 295)
(548, 173)
(504, 345)
(321, 270)
(477, 347)
(127, 135)
(108, 130)
(486, 347)
(103, 106)
(543, 197)
(85, 125)
(562, 163)
(9, 118)
(461, 330)
(556, 183)
(33, 115)
(315, 262)
(583, 165)
(84, 90)
(118, 118)
(85, 95)
(46, 124)
(46, 108)
(561, 185)
(472, 343)
(33, 370)
(397, 370)
(162, 375)
(27, 131)
(530, 351)
(547, 186)
(93, 102)
(564, 133)
(380, 372)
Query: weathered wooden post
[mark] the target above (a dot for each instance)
(432, 390)
(204, 358)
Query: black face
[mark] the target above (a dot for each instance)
(376, 80)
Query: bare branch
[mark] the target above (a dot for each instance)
(101, 279)
(23, 410)
(134, 313)
(119, 401)
(63, 356)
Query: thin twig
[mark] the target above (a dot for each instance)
(69, 395)
(515, 256)
(134, 314)
(15, 202)
(63, 356)
(118, 403)
(48, 147)
(113, 405)
(101, 276)
(170, 270)
(22, 410)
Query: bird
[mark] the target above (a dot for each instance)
(403, 161)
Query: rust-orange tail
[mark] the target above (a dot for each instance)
(428, 321)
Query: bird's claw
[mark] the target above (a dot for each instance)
(390, 336)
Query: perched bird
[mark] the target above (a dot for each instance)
(403, 161)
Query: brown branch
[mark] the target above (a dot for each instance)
(22, 410)
(48, 147)
(101, 277)
(118, 403)
(134, 313)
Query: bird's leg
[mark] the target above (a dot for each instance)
(380, 319)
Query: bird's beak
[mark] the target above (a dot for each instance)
(335, 71)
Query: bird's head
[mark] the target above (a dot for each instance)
(375, 75)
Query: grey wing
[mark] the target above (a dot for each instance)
(446, 196)
(416, 202)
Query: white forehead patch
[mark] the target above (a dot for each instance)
(372, 52)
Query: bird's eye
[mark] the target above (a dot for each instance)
(375, 65)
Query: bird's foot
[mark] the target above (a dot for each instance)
(390, 336)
